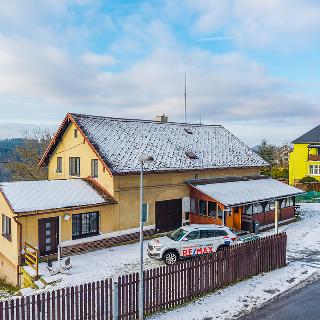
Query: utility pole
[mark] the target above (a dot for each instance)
(185, 98)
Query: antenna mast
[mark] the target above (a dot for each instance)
(185, 98)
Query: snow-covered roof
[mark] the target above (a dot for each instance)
(249, 191)
(27, 196)
(121, 143)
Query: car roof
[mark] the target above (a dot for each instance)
(203, 227)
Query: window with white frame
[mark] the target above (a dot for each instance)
(314, 169)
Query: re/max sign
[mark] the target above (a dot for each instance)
(195, 251)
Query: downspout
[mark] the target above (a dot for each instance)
(19, 248)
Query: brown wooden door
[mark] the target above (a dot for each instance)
(168, 215)
(48, 235)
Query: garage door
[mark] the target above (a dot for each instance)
(168, 215)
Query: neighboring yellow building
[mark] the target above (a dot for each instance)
(91, 199)
(304, 159)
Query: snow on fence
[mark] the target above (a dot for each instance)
(164, 287)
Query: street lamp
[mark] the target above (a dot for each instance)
(143, 159)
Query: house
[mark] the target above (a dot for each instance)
(200, 173)
(304, 159)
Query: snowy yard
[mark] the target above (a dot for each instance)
(303, 258)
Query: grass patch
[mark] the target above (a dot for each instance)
(7, 287)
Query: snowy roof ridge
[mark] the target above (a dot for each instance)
(185, 124)
(29, 196)
(121, 142)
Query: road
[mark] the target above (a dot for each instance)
(302, 304)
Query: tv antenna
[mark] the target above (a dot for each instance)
(185, 98)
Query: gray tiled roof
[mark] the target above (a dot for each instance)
(121, 142)
(311, 136)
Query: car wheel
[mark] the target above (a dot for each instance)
(170, 258)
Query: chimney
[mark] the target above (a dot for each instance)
(163, 118)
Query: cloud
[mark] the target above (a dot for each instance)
(274, 24)
(71, 56)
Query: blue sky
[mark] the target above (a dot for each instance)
(251, 65)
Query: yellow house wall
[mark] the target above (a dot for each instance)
(69, 146)
(299, 164)
(30, 223)
(158, 187)
(9, 257)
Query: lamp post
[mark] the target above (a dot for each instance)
(143, 159)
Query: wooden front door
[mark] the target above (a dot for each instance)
(48, 235)
(168, 215)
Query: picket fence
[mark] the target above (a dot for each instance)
(164, 287)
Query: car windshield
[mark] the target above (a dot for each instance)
(178, 234)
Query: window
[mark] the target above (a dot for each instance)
(85, 225)
(74, 166)
(212, 209)
(220, 233)
(6, 227)
(75, 133)
(192, 205)
(249, 209)
(236, 210)
(314, 169)
(94, 168)
(207, 234)
(59, 164)
(202, 207)
(145, 212)
(194, 235)
(220, 212)
(257, 208)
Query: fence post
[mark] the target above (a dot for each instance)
(115, 300)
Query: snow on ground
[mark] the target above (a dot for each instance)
(303, 258)
(99, 265)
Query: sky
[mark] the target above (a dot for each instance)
(252, 66)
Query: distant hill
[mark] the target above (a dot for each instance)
(7, 153)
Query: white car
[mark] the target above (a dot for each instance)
(189, 241)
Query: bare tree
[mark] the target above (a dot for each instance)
(28, 156)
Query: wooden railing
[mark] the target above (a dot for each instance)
(165, 287)
(31, 255)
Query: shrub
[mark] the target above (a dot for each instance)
(307, 179)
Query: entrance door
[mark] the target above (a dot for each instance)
(168, 215)
(48, 235)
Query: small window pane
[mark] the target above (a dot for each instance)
(202, 207)
(220, 212)
(193, 235)
(207, 234)
(220, 233)
(212, 209)
(192, 205)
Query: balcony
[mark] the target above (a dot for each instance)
(314, 157)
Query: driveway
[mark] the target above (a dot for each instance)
(302, 304)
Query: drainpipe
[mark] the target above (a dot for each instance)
(19, 247)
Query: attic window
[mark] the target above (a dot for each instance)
(191, 155)
(75, 133)
(187, 130)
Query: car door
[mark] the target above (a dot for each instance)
(207, 241)
(189, 244)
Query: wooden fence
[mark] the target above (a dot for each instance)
(164, 287)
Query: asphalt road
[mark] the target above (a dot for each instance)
(303, 304)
